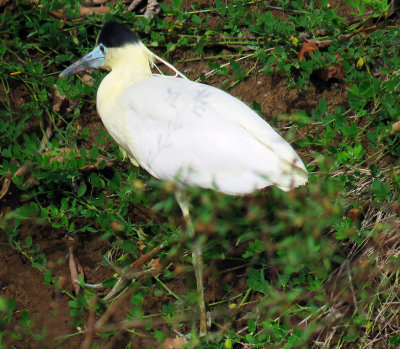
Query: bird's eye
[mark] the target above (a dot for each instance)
(102, 49)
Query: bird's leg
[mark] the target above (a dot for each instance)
(197, 261)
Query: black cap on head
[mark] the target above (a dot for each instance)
(115, 34)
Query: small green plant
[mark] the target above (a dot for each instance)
(13, 333)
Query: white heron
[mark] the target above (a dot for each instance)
(183, 131)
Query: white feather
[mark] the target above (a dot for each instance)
(200, 136)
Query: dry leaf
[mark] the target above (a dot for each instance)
(307, 48)
(117, 226)
(395, 127)
(88, 11)
(332, 72)
(321, 44)
(174, 343)
(354, 214)
(395, 207)
(89, 3)
(57, 99)
(88, 79)
(4, 2)
(73, 269)
(156, 264)
(8, 179)
(141, 245)
(80, 268)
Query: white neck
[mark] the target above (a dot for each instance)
(128, 64)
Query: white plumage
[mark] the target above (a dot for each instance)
(181, 130)
(200, 136)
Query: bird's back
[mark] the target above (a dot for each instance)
(201, 136)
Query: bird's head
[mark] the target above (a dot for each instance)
(114, 42)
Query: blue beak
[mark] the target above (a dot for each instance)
(92, 60)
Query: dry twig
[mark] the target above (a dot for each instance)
(73, 269)
(90, 331)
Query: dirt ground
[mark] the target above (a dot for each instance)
(49, 308)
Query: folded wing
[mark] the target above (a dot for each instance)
(201, 136)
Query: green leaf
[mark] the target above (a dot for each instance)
(73, 304)
(83, 152)
(395, 340)
(381, 190)
(252, 326)
(256, 280)
(196, 19)
(109, 282)
(28, 241)
(129, 246)
(158, 292)
(64, 204)
(221, 7)
(85, 132)
(322, 106)
(176, 4)
(75, 312)
(116, 180)
(94, 153)
(82, 190)
(250, 338)
(24, 320)
(47, 277)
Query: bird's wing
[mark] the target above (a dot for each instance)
(200, 135)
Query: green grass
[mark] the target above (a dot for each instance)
(304, 273)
